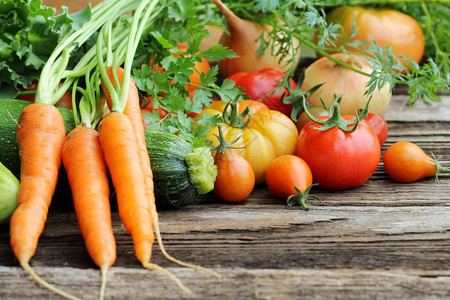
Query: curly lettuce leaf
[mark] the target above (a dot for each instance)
(29, 31)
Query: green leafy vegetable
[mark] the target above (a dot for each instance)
(29, 31)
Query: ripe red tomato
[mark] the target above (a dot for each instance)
(339, 160)
(149, 107)
(406, 162)
(258, 84)
(379, 125)
(384, 26)
(235, 177)
(65, 101)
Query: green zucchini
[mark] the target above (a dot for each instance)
(9, 115)
(9, 188)
(180, 172)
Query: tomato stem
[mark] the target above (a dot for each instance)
(298, 97)
(301, 197)
(439, 169)
(335, 119)
(223, 144)
(232, 116)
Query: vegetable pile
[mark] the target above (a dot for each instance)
(135, 106)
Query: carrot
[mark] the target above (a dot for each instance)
(121, 152)
(86, 169)
(132, 110)
(40, 135)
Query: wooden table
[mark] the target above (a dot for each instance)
(383, 240)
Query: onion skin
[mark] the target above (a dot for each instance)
(242, 39)
(342, 81)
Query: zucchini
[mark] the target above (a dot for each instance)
(180, 172)
(10, 110)
(9, 189)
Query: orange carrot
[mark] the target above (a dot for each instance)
(40, 135)
(86, 169)
(132, 110)
(120, 148)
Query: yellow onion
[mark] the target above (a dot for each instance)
(242, 39)
(341, 81)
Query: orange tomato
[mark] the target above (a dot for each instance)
(287, 172)
(406, 162)
(384, 26)
(235, 177)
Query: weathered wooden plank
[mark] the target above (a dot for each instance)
(235, 283)
(399, 110)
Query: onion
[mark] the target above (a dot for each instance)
(341, 81)
(243, 41)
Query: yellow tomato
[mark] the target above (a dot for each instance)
(269, 134)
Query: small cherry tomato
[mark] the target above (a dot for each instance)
(406, 162)
(289, 175)
(235, 177)
(378, 124)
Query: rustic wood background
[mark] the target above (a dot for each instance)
(383, 240)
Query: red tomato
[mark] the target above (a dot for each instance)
(379, 125)
(65, 101)
(258, 84)
(149, 107)
(384, 26)
(406, 162)
(144, 120)
(235, 177)
(339, 160)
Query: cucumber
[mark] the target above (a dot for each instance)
(180, 172)
(9, 115)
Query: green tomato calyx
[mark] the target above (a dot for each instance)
(223, 144)
(300, 197)
(298, 97)
(439, 169)
(232, 117)
(336, 120)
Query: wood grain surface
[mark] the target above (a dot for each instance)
(383, 240)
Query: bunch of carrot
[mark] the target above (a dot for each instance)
(118, 145)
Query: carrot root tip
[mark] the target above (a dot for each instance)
(179, 262)
(152, 266)
(44, 283)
